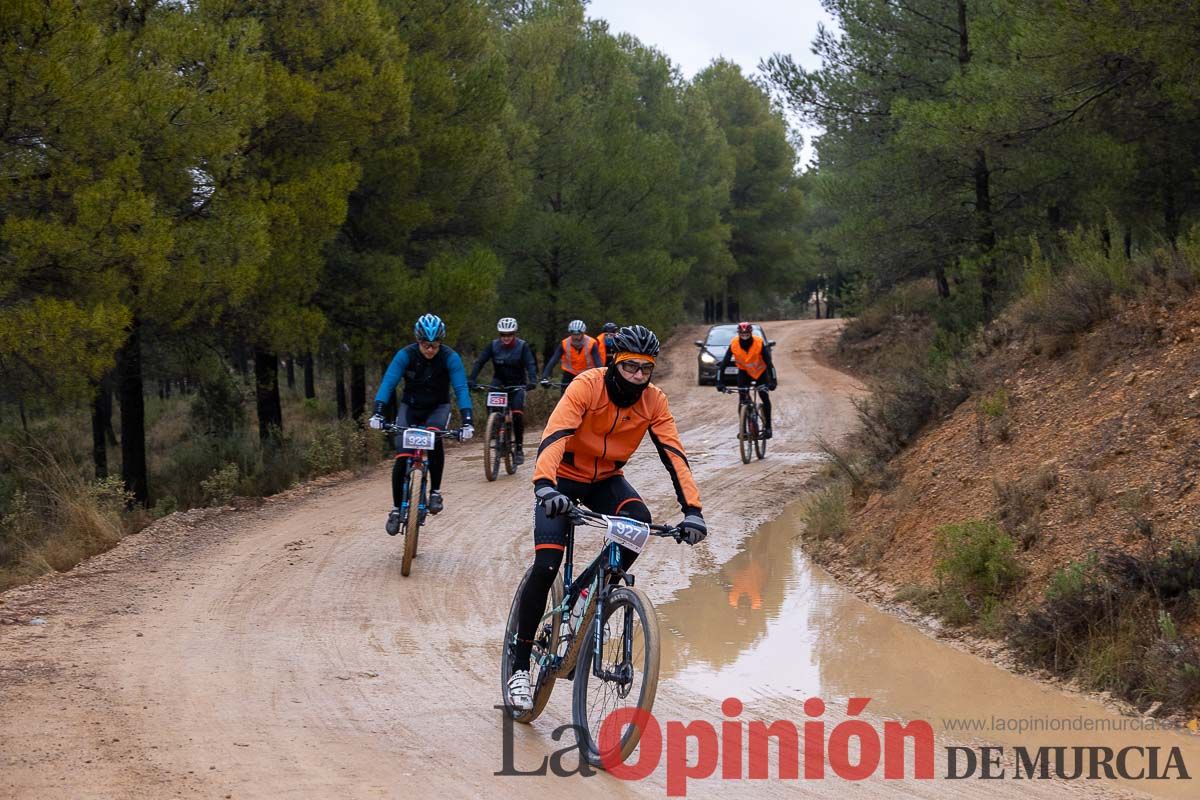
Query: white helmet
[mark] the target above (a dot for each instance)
(506, 325)
(576, 326)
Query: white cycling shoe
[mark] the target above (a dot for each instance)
(519, 693)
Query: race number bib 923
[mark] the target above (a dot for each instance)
(418, 439)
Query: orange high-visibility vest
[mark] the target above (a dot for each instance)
(576, 361)
(602, 343)
(749, 361)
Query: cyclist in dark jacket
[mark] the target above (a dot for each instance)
(513, 364)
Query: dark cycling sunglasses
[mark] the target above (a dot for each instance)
(634, 367)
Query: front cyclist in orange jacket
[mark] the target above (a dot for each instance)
(595, 428)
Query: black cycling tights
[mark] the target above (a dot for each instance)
(437, 464)
(519, 428)
(610, 496)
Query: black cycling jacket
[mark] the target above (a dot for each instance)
(510, 365)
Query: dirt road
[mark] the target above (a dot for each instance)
(277, 652)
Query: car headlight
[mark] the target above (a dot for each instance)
(707, 358)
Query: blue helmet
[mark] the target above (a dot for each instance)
(430, 328)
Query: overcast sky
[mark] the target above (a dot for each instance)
(694, 32)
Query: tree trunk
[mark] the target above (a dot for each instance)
(358, 390)
(310, 386)
(1170, 211)
(943, 285)
(99, 442)
(986, 234)
(291, 371)
(133, 416)
(266, 392)
(339, 384)
(241, 360)
(106, 397)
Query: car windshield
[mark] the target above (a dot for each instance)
(722, 336)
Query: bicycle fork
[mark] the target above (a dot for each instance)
(622, 675)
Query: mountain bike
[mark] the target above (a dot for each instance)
(412, 443)
(498, 441)
(750, 422)
(603, 610)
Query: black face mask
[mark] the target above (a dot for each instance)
(623, 393)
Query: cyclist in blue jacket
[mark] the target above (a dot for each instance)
(429, 369)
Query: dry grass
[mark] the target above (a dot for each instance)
(59, 519)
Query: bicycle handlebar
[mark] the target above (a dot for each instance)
(451, 434)
(581, 515)
(482, 388)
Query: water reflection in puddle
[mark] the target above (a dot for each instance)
(769, 624)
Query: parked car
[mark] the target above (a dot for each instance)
(713, 348)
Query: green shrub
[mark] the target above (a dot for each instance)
(825, 515)
(994, 405)
(164, 506)
(975, 561)
(336, 447)
(220, 487)
(1116, 623)
(219, 408)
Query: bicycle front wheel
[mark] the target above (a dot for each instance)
(760, 443)
(491, 446)
(412, 527)
(506, 442)
(628, 676)
(745, 443)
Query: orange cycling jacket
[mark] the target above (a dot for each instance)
(589, 438)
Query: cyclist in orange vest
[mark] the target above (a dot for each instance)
(605, 343)
(577, 352)
(753, 359)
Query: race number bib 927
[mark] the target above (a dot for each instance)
(628, 533)
(497, 400)
(418, 439)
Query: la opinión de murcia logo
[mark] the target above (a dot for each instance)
(902, 750)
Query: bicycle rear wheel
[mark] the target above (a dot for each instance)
(760, 444)
(412, 526)
(745, 443)
(545, 644)
(630, 656)
(506, 442)
(491, 446)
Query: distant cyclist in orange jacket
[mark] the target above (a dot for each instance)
(604, 343)
(596, 426)
(578, 352)
(753, 359)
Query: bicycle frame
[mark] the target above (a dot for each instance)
(605, 565)
(414, 457)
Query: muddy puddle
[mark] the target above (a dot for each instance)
(775, 627)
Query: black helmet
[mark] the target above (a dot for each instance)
(609, 327)
(636, 339)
